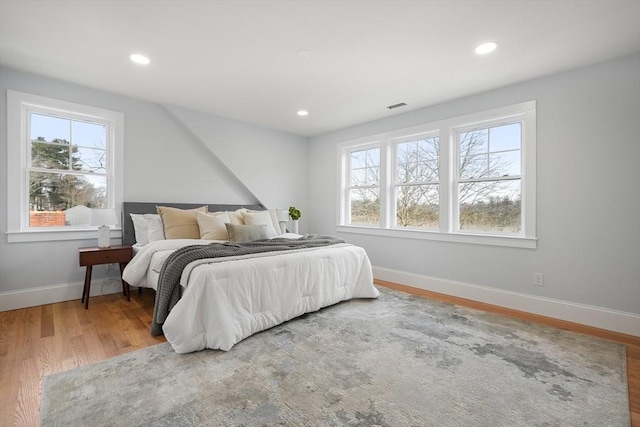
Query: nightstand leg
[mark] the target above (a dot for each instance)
(87, 287)
(125, 285)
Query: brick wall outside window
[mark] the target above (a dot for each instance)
(47, 219)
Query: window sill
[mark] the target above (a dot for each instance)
(476, 239)
(58, 234)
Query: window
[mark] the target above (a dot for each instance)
(67, 168)
(364, 186)
(416, 182)
(468, 179)
(489, 178)
(64, 159)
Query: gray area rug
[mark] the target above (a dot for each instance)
(400, 360)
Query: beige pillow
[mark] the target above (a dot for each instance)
(180, 223)
(261, 218)
(212, 225)
(236, 216)
(245, 233)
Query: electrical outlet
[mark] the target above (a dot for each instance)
(538, 279)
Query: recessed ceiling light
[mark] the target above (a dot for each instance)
(303, 113)
(139, 59)
(485, 48)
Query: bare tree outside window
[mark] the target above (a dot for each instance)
(489, 185)
(468, 179)
(67, 167)
(417, 183)
(364, 188)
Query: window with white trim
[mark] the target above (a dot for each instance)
(468, 179)
(488, 177)
(364, 186)
(63, 160)
(416, 182)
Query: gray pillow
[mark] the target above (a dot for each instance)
(245, 233)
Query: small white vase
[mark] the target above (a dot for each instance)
(104, 237)
(294, 226)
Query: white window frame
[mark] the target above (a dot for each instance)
(448, 225)
(394, 142)
(19, 106)
(345, 212)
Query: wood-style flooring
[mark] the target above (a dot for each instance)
(39, 341)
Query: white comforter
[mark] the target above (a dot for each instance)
(227, 300)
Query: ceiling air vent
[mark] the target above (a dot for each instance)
(391, 107)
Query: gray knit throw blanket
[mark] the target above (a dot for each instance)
(169, 290)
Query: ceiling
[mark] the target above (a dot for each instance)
(343, 61)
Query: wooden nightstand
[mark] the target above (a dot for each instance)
(89, 257)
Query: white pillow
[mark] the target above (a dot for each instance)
(155, 229)
(274, 220)
(260, 218)
(140, 229)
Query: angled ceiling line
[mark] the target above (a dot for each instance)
(217, 164)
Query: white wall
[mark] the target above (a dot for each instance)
(164, 161)
(271, 164)
(588, 189)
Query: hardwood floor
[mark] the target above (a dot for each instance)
(39, 341)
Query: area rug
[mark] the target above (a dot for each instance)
(400, 360)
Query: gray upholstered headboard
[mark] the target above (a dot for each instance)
(128, 235)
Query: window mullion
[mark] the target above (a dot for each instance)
(25, 162)
(447, 184)
(343, 189)
(491, 178)
(528, 174)
(70, 167)
(386, 189)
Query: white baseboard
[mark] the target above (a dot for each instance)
(599, 317)
(32, 297)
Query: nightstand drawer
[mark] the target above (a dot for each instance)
(114, 254)
(120, 254)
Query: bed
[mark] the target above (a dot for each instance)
(226, 299)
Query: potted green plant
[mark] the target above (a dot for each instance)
(295, 215)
